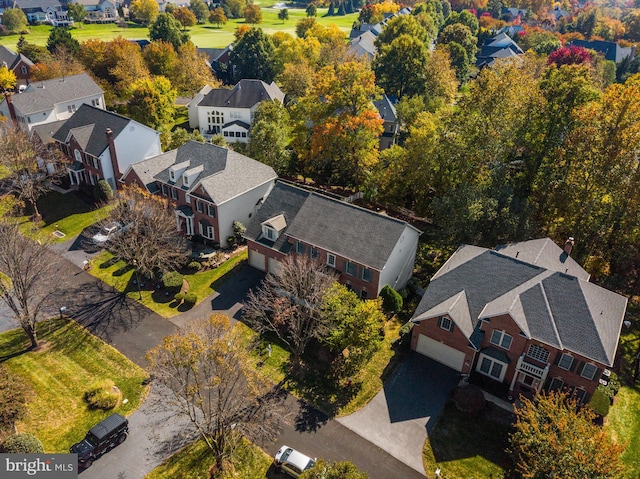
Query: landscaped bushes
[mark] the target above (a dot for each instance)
(600, 402)
(103, 395)
(179, 297)
(391, 299)
(23, 443)
(172, 281)
(13, 400)
(191, 298)
(195, 266)
(103, 192)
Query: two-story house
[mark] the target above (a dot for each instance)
(229, 112)
(16, 63)
(44, 11)
(499, 47)
(367, 249)
(52, 100)
(525, 315)
(99, 11)
(101, 145)
(209, 186)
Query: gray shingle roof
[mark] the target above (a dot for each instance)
(386, 109)
(89, 125)
(558, 309)
(11, 58)
(37, 4)
(147, 169)
(611, 50)
(224, 174)
(46, 131)
(245, 94)
(44, 95)
(358, 234)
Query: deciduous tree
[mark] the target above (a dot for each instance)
(62, 63)
(167, 28)
(253, 56)
(14, 19)
(399, 66)
(253, 14)
(283, 14)
(270, 135)
(554, 438)
(209, 375)
(218, 17)
(289, 303)
(160, 57)
(191, 72)
(144, 11)
(200, 10)
(34, 279)
(8, 79)
(184, 16)
(76, 12)
(152, 101)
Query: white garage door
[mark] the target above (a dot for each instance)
(256, 260)
(440, 352)
(274, 266)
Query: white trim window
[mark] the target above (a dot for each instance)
(565, 362)
(77, 155)
(491, 367)
(269, 233)
(589, 371)
(163, 187)
(366, 275)
(211, 211)
(350, 268)
(331, 260)
(501, 338)
(538, 353)
(200, 206)
(444, 322)
(174, 193)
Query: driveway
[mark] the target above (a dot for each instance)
(399, 417)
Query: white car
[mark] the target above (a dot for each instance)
(106, 232)
(292, 462)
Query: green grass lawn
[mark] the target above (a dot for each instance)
(207, 35)
(194, 462)
(67, 363)
(120, 276)
(66, 213)
(467, 446)
(623, 422)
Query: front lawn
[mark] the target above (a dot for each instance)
(623, 423)
(195, 460)
(67, 362)
(68, 213)
(468, 446)
(121, 277)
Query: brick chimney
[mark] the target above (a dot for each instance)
(12, 109)
(114, 156)
(568, 245)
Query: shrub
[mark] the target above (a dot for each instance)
(191, 298)
(231, 241)
(195, 266)
(469, 399)
(103, 395)
(23, 443)
(612, 387)
(391, 299)
(178, 297)
(239, 230)
(172, 281)
(103, 192)
(13, 399)
(600, 402)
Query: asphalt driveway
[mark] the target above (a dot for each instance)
(400, 416)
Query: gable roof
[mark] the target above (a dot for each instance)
(45, 131)
(358, 234)
(44, 95)
(88, 125)
(36, 4)
(11, 59)
(364, 44)
(611, 50)
(245, 94)
(386, 109)
(559, 309)
(500, 46)
(222, 173)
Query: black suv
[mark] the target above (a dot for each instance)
(101, 438)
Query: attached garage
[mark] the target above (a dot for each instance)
(256, 260)
(440, 352)
(274, 266)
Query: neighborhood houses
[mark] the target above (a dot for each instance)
(344, 239)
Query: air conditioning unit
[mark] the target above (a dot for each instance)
(606, 372)
(603, 382)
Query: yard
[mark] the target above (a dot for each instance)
(68, 361)
(204, 36)
(121, 276)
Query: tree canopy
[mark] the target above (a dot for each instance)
(253, 56)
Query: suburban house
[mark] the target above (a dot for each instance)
(99, 11)
(610, 50)
(500, 46)
(101, 145)
(44, 11)
(210, 187)
(363, 36)
(229, 112)
(52, 100)
(524, 315)
(16, 63)
(367, 249)
(391, 124)
(219, 63)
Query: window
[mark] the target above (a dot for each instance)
(538, 353)
(500, 338)
(23, 69)
(71, 108)
(331, 260)
(226, 133)
(492, 368)
(237, 134)
(314, 253)
(78, 155)
(269, 232)
(95, 102)
(174, 193)
(209, 233)
(200, 206)
(185, 180)
(445, 323)
(235, 114)
(187, 198)
(215, 118)
(350, 268)
(300, 248)
(556, 384)
(366, 275)
(244, 134)
(211, 211)
(28, 119)
(164, 189)
(96, 165)
(589, 371)
(566, 361)
(364, 294)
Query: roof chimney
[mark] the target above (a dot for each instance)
(114, 155)
(568, 245)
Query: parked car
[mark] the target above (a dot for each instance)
(101, 438)
(292, 462)
(106, 232)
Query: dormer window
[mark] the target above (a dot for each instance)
(272, 228)
(269, 233)
(172, 175)
(185, 180)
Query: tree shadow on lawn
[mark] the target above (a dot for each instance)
(54, 206)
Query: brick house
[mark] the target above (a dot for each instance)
(367, 249)
(525, 315)
(101, 144)
(209, 186)
(16, 63)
